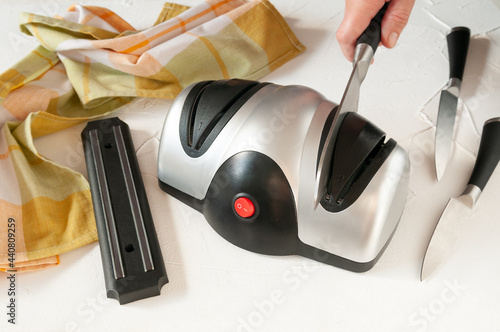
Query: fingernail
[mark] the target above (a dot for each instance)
(393, 39)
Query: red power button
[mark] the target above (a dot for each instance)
(244, 207)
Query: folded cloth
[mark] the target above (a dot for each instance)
(89, 63)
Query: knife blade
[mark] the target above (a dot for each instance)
(458, 45)
(455, 215)
(366, 46)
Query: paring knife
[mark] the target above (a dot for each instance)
(366, 45)
(455, 215)
(458, 45)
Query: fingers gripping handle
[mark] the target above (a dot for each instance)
(372, 34)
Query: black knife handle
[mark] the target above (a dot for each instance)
(372, 34)
(488, 155)
(458, 46)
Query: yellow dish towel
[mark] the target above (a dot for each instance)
(89, 63)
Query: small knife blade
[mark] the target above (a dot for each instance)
(458, 45)
(455, 215)
(366, 46)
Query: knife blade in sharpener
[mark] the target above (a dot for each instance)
(458, 45)
(131, 256)
(455, 215)
(366, 45)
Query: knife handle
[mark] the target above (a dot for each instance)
(488, 154)
(458, 45)
(371, 35)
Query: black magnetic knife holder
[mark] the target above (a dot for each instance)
(131, 256)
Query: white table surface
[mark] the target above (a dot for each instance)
(215, 286)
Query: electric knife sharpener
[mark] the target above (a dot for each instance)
(131, 255)
(247, 156)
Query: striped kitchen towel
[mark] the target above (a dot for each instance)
(89, 63)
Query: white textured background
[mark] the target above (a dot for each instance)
(215, 286)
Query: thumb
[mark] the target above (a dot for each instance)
(395, 19)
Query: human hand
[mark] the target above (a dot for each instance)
(357, 17)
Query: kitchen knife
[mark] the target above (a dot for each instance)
(366, 45)
(458, 45)
(455, 215)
